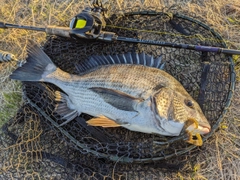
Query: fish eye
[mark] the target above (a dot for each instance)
(189, 103)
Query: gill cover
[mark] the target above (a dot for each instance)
(162, 103)
(166, 111)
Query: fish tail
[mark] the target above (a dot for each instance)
(37, 65)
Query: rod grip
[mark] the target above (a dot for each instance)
(59, 31)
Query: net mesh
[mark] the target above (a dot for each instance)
(34, 146)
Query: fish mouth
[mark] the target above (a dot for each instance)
(196, 129)
(204, 129)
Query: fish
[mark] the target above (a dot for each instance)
(126, 90)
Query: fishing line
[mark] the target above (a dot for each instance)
(196, 36)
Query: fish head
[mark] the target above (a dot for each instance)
(196, 122)
(178, 107)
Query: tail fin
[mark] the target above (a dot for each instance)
(37, 65)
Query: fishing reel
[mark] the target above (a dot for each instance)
(89, 24)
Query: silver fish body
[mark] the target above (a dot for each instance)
(137, 97)
(141, 116)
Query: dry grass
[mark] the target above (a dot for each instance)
(220, 160)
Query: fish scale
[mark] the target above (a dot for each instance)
(89, 100)
(104, 76)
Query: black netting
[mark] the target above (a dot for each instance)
(78, 151)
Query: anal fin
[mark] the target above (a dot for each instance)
(103, 122)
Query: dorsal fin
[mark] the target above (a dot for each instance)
(128, 58)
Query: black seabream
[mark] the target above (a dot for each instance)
(126, 90)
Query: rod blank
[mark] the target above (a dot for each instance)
(184, 46)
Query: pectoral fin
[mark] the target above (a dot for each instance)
(117, 98)
(103, 122)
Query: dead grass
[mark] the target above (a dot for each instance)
(220, 160)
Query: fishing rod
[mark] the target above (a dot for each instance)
(89, 24)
